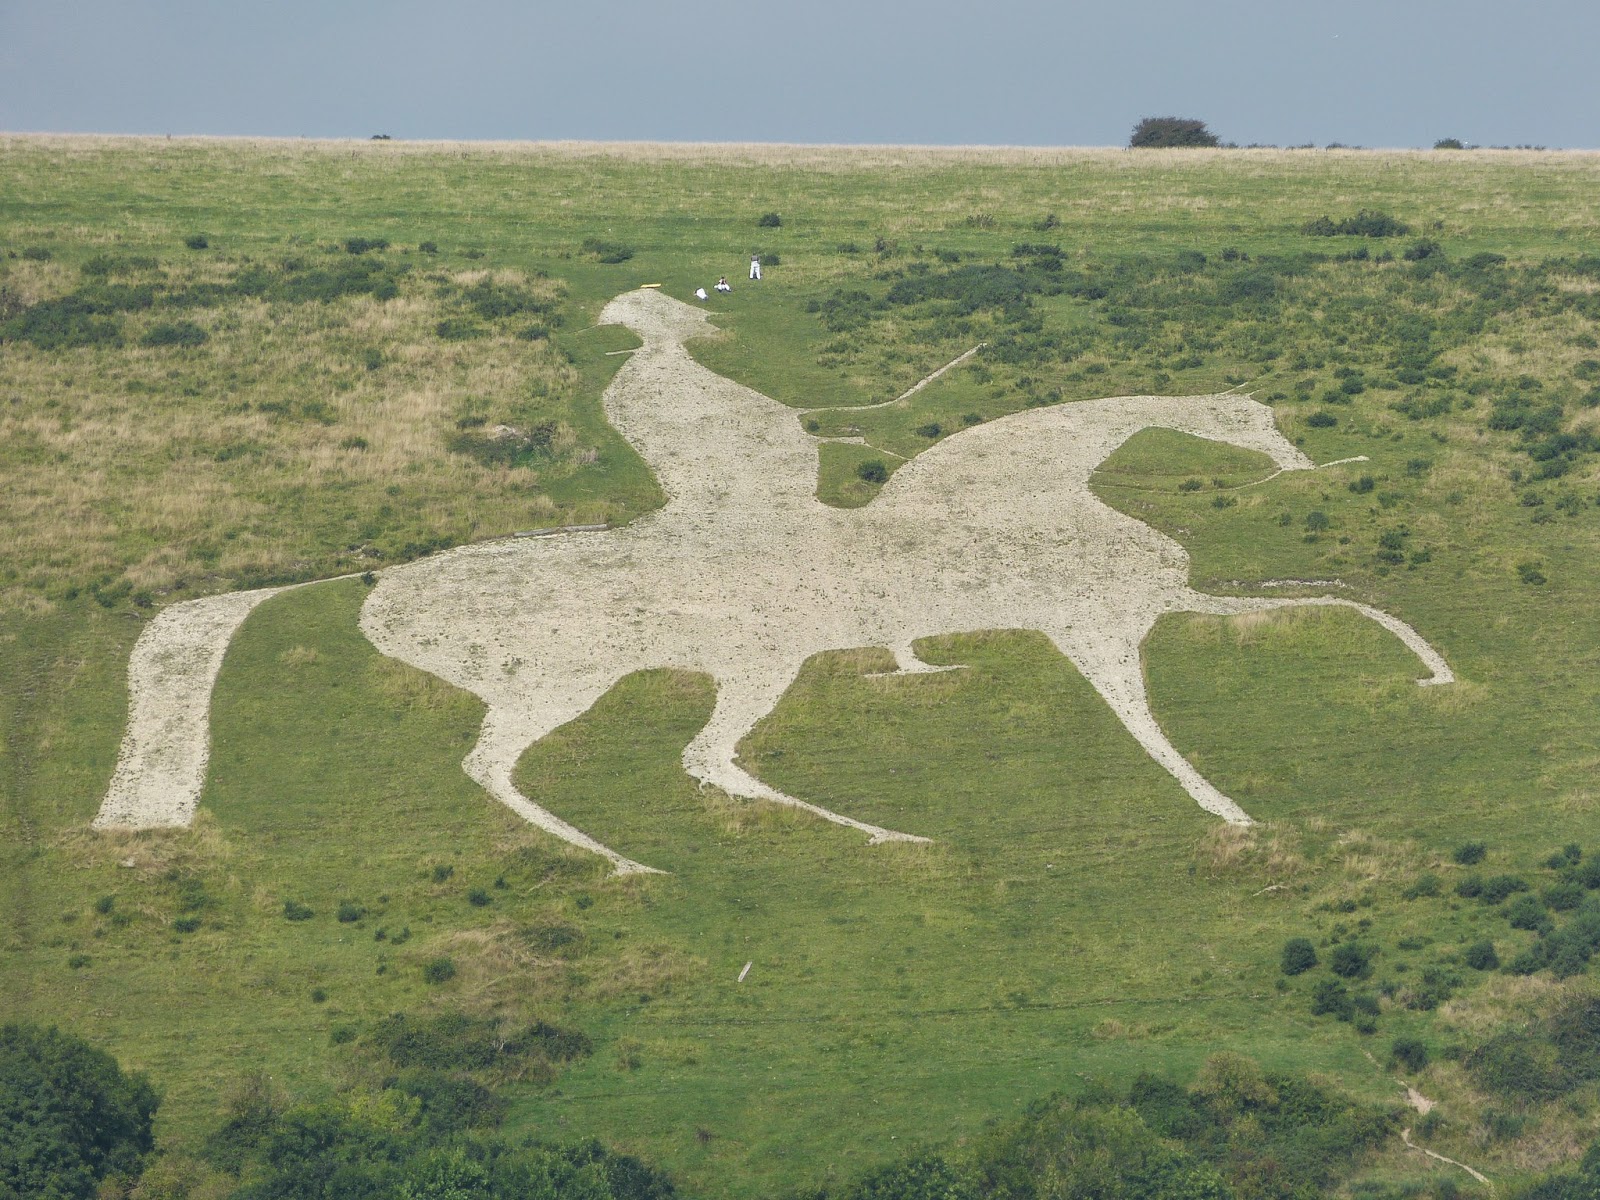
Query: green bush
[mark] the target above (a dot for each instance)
(1352, 960)
(1469, 854)
(1362, 484)
(350, 912)
(1481, 956)
(1158, 132)
(1498, 887)
(105, 904)
(186, 924)
(1322, 420)
(176, 333)
(1528, 912)
(1366, 223)
(1317, 521)
(769, 220)
(872, 471)
(363, 245)
(1298, 955)
(1330, 998)
(930, 430)
(69, 1116)
(293, 910)
(1409, 1052)
(439, 970)
(197, 241)
(1421, 249)
(478, 897)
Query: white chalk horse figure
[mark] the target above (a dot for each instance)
(744, 574)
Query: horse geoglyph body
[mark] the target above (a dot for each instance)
(744, 574)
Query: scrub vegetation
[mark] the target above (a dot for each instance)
(225, 364)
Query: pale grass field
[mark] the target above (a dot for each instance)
(206, 471)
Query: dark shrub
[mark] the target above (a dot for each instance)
(1435, 987)
(293, 910)
(1528, 912)
(361, 245)
(186, 924)
(1425, 885)
(872, 471)
(459, 329)
(69, 1117)
(769, 220)
(428, 248)
(1330, 999)
(1366, 223)
(1470, 854)
(1421, 249)
(1564, 896)
(1497, 887)
(1190, 485)
(1352, 960)
(178, 333)
(452, 1102)
(196, 241)
(439, 970)
(1157, 132)
(1519, 1066)
(1316, 521)
(1480, 956)
(105, 904)
(37, 253)
(442, 872)
(607, 252)
(1298, 955)
(1363, 484)
(930, 430)
(319, 995)
(478, 897)
(926, 1177)
(350, 912)
(1410, 1053)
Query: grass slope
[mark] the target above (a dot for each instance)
(1077, 916)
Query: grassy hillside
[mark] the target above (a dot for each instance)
(293, 400)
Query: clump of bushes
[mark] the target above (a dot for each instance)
(1481, 956)
(1299, 955)
(1469, 854)
(769, 220)
(293, 910)
(197, 241)
(365, 245)
(872, 471)
(1368, 222)
(1352, 960)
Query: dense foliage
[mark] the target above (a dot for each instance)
(1156, 132)
(1237, 1134)
(69, 1116)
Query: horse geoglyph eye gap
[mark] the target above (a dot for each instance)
(744, 574)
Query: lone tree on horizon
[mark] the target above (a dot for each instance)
(1170, 131)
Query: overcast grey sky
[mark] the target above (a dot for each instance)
(1027, 72)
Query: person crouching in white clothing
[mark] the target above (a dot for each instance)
(722, 285)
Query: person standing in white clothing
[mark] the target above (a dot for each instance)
(755, 266)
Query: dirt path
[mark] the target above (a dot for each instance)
(1405, 1136)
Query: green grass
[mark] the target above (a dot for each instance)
(1076, 917)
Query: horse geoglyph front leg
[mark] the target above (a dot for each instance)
(710, 757)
